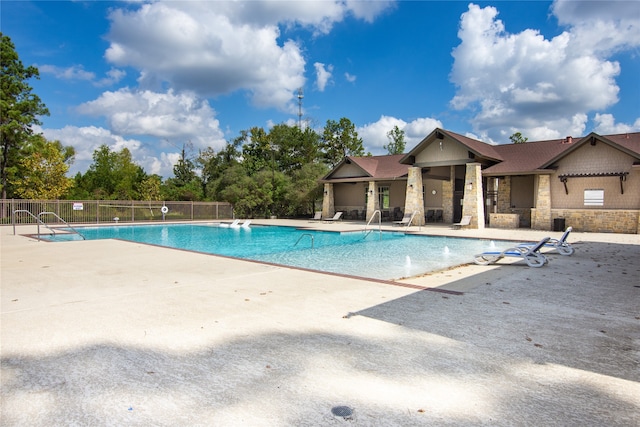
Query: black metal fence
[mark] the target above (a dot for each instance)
(110, 211)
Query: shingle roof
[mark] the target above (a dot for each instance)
(536, 156)
(478, 147)
(375, 167)
(511, 159)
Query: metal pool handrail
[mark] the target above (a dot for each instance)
(300, 238)
(60, 219)
(366, 233)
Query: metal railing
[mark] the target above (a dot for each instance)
(59, 219)
(366, 233)
(300, 238)
(111, 211)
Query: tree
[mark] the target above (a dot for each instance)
(517, 138)
(340, 139)
(19, 111)
(43, 170)
(185, 185)
(112, 175)
(396, 141)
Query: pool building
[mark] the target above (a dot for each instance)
(591, 183)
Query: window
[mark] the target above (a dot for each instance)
(383, 197)
(594, 197)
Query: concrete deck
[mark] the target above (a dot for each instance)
(117, 333)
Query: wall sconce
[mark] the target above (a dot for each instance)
(469, 185)
(433, 192)
(370, 192)
(326, 192)
(410, 185)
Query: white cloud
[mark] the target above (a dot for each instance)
(606, 125)
(540, 87)
(217, 48)
(350, 78)
(77, 72)
(85, 140)
(323, 75)
(374, 135)
(600, 27)
(176, 117)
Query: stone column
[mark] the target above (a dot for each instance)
(504, 195)
(373, 204)
(541, 214)
(414, 199)
(328, 207)
(447, 196)
(473, 202)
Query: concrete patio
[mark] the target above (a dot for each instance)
(117, 333)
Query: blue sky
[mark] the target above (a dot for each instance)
(153, 76)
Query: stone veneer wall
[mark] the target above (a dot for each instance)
(504, 195)
(600, 221)
(473, 200)
(447, 198)
(414, 199)
(503, 220)
(328, 209)
(541, 214)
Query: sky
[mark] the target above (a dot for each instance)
(159, 76)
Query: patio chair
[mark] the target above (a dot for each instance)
(317, 216)
(431, 215)
(245, 224)
(559, 245)
(438, 216)
(530, 254)
(233, 224)
(336, 217)
(406, 220)
(466, 220)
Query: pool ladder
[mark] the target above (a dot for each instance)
(39, 221)
(367, 232)
(300, 238)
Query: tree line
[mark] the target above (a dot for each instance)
(261, 172)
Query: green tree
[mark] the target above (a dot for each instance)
(258, 152)
(19, 111)
(340, 139)
(112, 175)
(396, 141)
(517, 138)
(43, 170)
(186, 184)
(150, 188)
(292, 147)
(307, 191)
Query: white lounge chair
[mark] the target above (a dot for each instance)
(233, 224)
(406, 220)
(317, 216)
(336, 217)
(246, 224)
(466, 220)
(530, 254)
(560, 245)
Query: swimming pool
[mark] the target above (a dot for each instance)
(386, 255)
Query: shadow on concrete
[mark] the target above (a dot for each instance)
(295, 379)
(579, 311)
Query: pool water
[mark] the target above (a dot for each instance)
(386, 255)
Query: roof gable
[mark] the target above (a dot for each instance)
(477, 148)
(369, 167)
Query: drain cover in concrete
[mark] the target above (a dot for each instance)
(342, 411)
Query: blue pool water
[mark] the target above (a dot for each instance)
(386, 255)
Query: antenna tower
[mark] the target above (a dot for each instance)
(300, 96)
